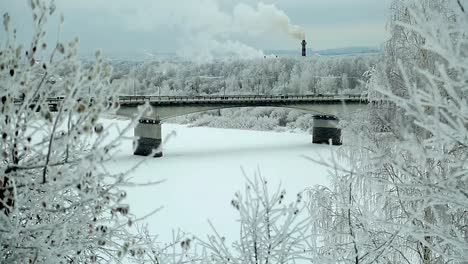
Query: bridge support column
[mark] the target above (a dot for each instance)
(148, 133)
(326, 129)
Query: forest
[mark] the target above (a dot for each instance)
(269, 76)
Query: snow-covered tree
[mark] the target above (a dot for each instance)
(403, 197)
(328, 85)
(58, 202)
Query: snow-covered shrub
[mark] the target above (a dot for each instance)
(264, 118)
(58, 203)
(279, 114)
(183, 248)
(261, 111)
(272, 230)
(304, 122)
(293, 116)
(204, 120)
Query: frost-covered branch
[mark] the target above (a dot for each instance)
(409, 172)
(58, 202)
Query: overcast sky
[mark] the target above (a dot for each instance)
(175, 25)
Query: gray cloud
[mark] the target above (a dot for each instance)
(170, 25)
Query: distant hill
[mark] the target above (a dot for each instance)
(349, 50)
(141, 56)
(328, 52)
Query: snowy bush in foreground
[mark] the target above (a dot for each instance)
(271, 229)
(404, 199)
(58, 203)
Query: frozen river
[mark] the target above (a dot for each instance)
(203, 169)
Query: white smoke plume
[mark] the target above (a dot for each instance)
(215, 37)
(212, 36)
(203, 28)
(205, 48)
(265, 19)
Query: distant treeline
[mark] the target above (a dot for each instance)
(270, 75)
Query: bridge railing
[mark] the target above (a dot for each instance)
(137, 98)
(201, 98)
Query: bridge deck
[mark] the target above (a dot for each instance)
(240, 99)
(163, 107)
(171, 106)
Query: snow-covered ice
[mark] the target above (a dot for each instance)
(202, 169)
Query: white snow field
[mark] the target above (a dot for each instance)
(202, 169)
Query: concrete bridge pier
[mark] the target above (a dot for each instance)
(326, 129)
(148, 133)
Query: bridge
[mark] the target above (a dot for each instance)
(326, 110)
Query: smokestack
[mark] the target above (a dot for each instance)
(304, 48)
